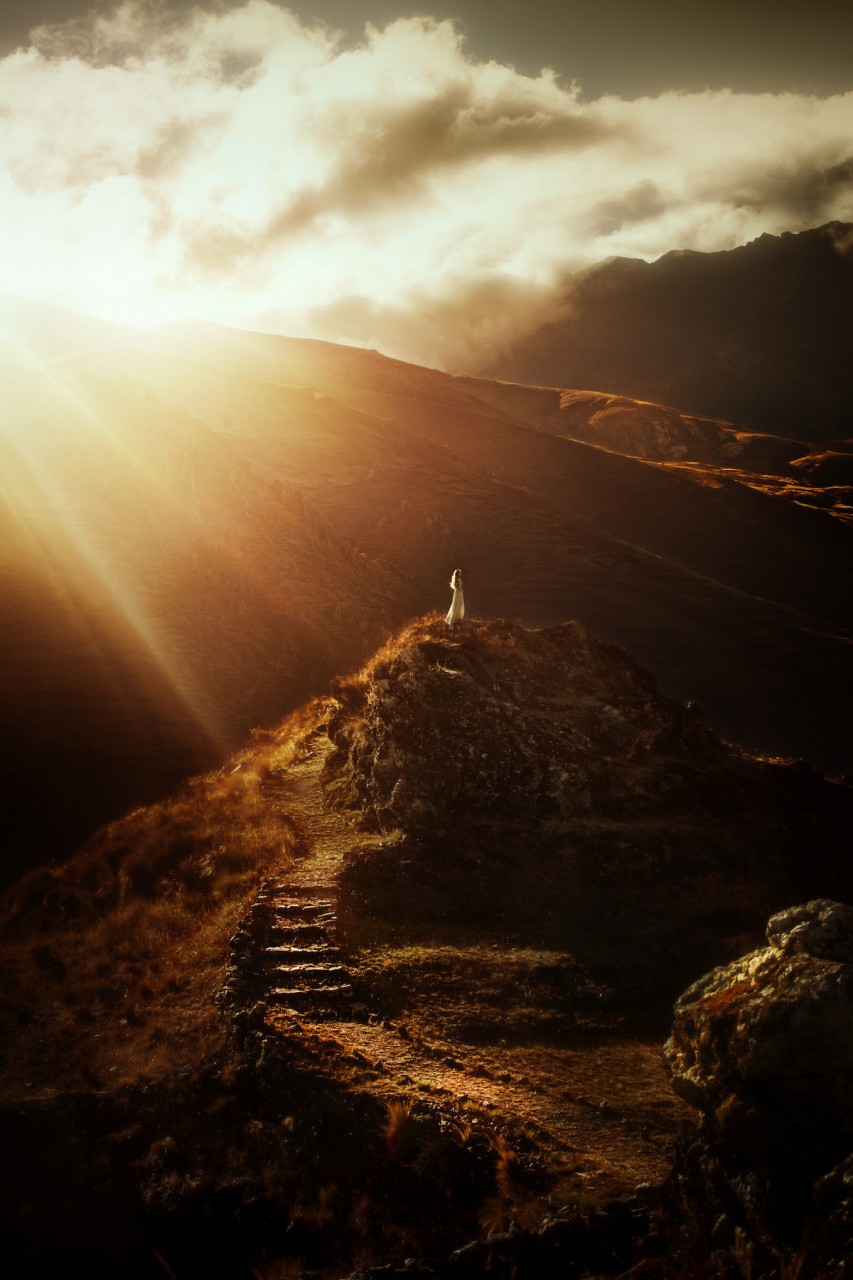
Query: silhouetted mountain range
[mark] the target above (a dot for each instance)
(760, 335)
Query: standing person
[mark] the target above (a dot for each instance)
(456, 612)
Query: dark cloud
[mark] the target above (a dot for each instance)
(115, 34)
(472, 323)
(241, 68)
(809, 192)
(393, 150)
(408, 145)
(173, 144)
(106, 34)
(644, 200)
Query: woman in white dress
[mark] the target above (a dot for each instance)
(456, 612)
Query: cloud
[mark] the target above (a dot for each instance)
(485, 315)
(642, 201)
(807, 191)
(403, 146)
(237, 164)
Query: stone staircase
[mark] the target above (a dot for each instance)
(285, 953)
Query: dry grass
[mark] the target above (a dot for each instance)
(493, 954)
(111, 961)
(493, 633)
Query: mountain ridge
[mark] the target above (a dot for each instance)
(757, 335)
(285, 504)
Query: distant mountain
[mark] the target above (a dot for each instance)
(201, 526)
(760, 335)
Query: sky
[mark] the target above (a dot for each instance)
(421, 179)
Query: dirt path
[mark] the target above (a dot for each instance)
(603, 1112)
(329, 832)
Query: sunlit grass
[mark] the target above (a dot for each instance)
(133, 933)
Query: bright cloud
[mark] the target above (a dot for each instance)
(244, 167)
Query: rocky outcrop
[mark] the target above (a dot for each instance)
(494, 721)
(764, 1048)
(543, 776)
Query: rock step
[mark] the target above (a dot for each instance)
(287, 906)
(281, 888)
(306, 971)
(300, 955)
(307, 909)
(302, 996)
(281, 919)
(299, 932)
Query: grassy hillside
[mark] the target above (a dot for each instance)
(700, 571)
(201, 526)
(528, 851)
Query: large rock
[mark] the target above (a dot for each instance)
(490, 720)
(779, 1019)
(764, 1047)
(539, 782)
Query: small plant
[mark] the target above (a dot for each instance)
(405, 1132)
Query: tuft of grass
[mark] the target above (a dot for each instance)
(405, 1131)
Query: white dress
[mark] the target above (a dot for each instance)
(456, 612)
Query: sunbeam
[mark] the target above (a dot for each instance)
(55, 505)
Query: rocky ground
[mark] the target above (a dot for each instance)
(442, 1014)
(542, 777)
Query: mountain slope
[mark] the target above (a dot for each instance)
(153, 591)
(203, 524)
(759, 335)
(523, 850)
(719, 588)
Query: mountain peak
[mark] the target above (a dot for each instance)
(541, 774)
(490, 719)
(758, 335)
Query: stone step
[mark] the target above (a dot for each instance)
(283, 889)
(300, 955)
(299, 932)
(302, 997)
(306, 972)
(303, 903)
(284, 914)
(283, 903)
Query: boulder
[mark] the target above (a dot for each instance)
(764, 1048)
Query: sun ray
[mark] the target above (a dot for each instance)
(139, 459)
(37, 482)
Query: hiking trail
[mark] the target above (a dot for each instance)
(286, 955)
